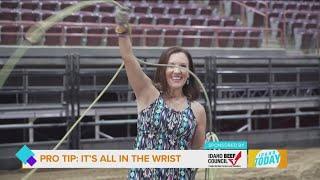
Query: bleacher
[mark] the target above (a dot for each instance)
(298, 20)
(155, 23)
(164, 23)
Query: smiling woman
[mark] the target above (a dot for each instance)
(169, 117)
(170, 79)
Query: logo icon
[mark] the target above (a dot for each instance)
(268, 158)
(235, 160)
(26, 155)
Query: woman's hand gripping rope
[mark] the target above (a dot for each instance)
(122, 20)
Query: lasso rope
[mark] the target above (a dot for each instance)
(35, 34)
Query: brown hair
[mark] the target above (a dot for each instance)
(191, 90)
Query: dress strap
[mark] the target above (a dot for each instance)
(189, 103)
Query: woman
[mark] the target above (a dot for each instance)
(169, 118)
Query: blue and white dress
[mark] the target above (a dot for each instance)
(160, 127)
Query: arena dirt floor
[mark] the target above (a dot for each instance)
(302, 164)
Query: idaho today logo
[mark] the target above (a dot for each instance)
(26, 155)
(268, 158)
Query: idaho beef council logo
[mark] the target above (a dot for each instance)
(25, 155)
(227, 154)
(225, 159)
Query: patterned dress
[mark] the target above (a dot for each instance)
(163, 128)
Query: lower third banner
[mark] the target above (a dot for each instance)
(133, 158)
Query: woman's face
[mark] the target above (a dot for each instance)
(177, 77)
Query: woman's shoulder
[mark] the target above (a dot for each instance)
(148, 99)
(199, 112)
(197, 108)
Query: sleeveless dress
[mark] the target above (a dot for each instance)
(160, 127)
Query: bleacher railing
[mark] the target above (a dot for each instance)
(261, 39)
(258, 83)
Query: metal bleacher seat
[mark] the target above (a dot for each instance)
(305, 39)
(251, 3)
(76, 17)
(171, 37)
(91, 8)
(229, 22)
(255, 38)
(212, 3)
(96, 36)
(112, 39)
(65, 4)
(136, 36)
(191, 10)
(31, 5)
(182, 1)
(138, 1)
(291, 6)
(206, 38)
(74, 36)
(300, 36)
(10, 34)
(275, 13)
(162, 20)
(206, 11)
(50, 5)
(154, 38)
(262, 4)
(311, 24)
(294, 19)
(293, 24)
(288, 14)
(141, 8)
(54, 36)
(214, 21)
(105, 8)
(315, 7)
(90, 17)
(157, 8)
(168, 1)
(313, 16)
(299, 15)
(304, 6)
(145, 19)
(9, 15)
(133, 19)
(10, 4)
(180, 20)
(225, 38)
(198, 21)
(30, 15)
(189, 37)
(277, 5)
(239, 38)
(46, 14)
(108, 18)
(174, 9)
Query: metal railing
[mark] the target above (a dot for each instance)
(108, 38)
(280, 85)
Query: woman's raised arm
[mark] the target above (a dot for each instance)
(141, 84)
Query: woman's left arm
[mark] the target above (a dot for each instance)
(200, 131)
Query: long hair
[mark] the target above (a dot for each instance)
(190, 90)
